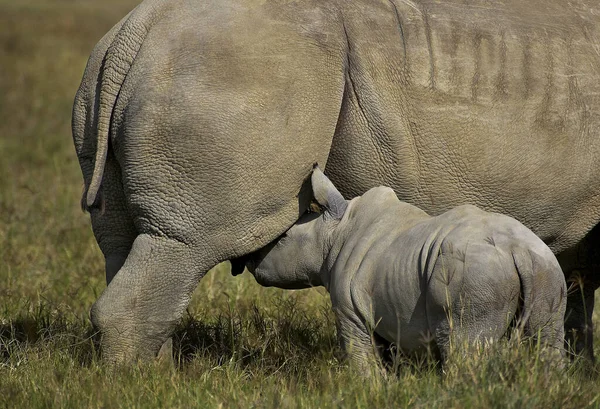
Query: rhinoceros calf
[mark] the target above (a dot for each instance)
(392, 269)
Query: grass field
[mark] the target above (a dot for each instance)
(240, 345)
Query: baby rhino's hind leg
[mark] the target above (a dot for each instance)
(471, 299)
(544, 300)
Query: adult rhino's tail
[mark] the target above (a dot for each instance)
(543, 290)
(116, 65)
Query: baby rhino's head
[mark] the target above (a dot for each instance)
(295, 259)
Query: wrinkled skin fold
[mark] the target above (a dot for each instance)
(197, 122)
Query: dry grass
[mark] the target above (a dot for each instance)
(240, 345)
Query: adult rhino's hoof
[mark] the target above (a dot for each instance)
(125, 340)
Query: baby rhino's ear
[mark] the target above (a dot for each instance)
(327, 195)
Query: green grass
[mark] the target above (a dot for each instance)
(240, 345)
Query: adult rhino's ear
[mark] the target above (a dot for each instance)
(327, 195)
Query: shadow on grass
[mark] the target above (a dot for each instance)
(286, 339)
(283, 337)
(44, 330)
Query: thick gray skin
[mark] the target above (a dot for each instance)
(197, 122)
(393, 270)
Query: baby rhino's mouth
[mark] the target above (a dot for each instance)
(251, 265)
(250, 261)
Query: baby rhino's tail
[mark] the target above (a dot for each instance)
(544, 293)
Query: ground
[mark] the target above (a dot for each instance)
(240, 345)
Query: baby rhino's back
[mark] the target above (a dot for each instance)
(469, 224)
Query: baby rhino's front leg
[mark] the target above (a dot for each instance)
(358, 345)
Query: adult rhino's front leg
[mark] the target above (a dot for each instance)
(214, 145)
(582, 268)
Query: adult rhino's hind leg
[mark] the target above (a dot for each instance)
(144, 302)
(112, 224)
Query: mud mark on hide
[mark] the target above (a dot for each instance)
(477, 65)
(429, 49)
(547, 114)
(501, 83)
(575, 99)
(526, 67)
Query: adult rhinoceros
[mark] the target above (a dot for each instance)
(197, 123)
